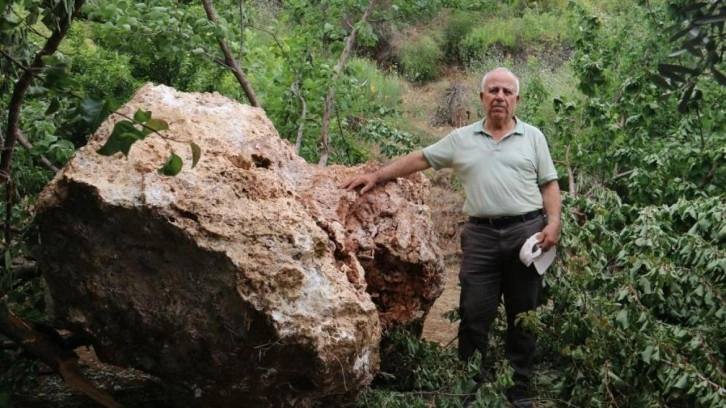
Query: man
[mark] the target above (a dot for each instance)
(511, 185)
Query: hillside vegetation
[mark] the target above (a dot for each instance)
(629, 94)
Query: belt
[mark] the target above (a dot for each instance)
(507, 220)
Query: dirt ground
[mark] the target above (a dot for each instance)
(445, 205)
(437, 327)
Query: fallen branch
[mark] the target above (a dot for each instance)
(46, 345)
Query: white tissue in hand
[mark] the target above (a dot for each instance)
(532, 253)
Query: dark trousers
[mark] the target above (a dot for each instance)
(491, 270)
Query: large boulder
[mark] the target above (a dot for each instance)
(251, 279)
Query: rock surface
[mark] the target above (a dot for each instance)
(251, 277)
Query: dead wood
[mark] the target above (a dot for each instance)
(45, 344)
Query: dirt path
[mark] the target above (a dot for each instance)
(445, 204)
(437, 327)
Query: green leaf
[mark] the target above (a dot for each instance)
(671, 70)
(142, 116)
(647, 353)
(53, 107)
(94, 111)
(173, 165)
(196, 153)
(124, 135)
(720, 78)
(622, 318)
(685, 99)
(7, 259)
(710, 20)
(155, 125)
(682, 382)
(693, 7)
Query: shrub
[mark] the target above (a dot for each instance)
(102, 73)
(474, 47)
(420, 59)
(384, 91)
(544, 29)
(458, 27)
(392, 142)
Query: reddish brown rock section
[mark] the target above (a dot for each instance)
(252, 277)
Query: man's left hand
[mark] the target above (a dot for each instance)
(549, 236)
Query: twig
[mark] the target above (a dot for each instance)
(303, 115)
(230, 61)
(606, 382)
(29, 147)
(47, 345)
(570, 173)
(16, 62)
(324, 137)
(451, 341)
(624, 174)
(720, 389)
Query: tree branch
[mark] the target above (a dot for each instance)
(324, 132)
(48, 346)
(229, 59)
(43, 160)
(570, 173)
(18, 96)
(303, 115)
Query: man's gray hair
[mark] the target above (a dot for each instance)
(516, 80)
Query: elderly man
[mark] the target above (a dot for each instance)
(511, 191)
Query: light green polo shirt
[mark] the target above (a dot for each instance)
(500, 178)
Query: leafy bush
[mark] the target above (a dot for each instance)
(635, 315)
(420, 59)
(379, 90)
(474, 46)
(539, 31)
(552, 30)
(99, 72)
(391, 142)
(456, 29)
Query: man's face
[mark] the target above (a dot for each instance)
(499, 97)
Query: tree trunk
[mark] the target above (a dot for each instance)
(18, 96)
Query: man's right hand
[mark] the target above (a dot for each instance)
(366, 181)
(401, 167)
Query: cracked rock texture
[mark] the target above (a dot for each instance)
(251, 279)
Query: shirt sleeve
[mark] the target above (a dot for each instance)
(441, 153)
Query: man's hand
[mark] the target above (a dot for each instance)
(366, 181)
(401, 167)
(550, 235)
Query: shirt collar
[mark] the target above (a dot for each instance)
(518, 127)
